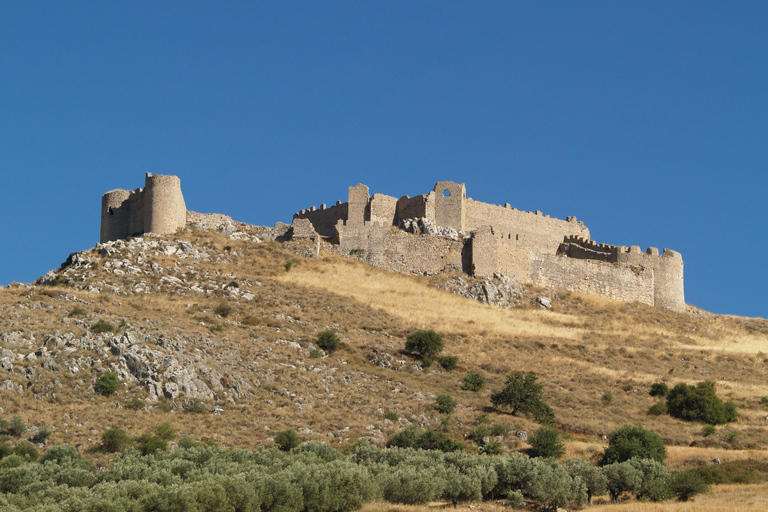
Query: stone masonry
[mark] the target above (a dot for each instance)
(441, 231)
(457, 233)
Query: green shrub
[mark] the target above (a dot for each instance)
(515, 499)
(426, 344)
(107, 384)
(391, 416)
(764, 401)
(77, 311)
(479, 433)
(186, 441)
(444, 403)
(493, 447)
(136, 404)
(216, 328)
(315, 354)
(547, 442)
(148, 444)
(473, 381)
(687, 484)
(448, 362)
(114, 440)
(287, 439)
(499, 429)
(223, 309)
(101, 326)
(521, 393)
(289, 264)
(413, 437)
(328, 340)
(628, 442)
(708, 430)
(700, 403)
(659, 389)
(165, 431)
(27, 451)
(658, 409)
(15, 427)
(196, 406)
(5, 450)
(42, 435)
(732, 436)
(607, 398)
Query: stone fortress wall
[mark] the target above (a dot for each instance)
(484, 239)
(158, 208)
(441, 231)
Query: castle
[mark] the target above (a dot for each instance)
(442, 231)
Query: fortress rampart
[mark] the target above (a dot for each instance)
(158, 208)
(440, 231)
(485, 238)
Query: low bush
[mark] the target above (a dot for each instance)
(15, 427)
(102, 326)
(448, 362)
(658, 409)
(328, 340)
(628, 442)
(114, 440)
(42, 435)
(287, 439)
(107, 384)
(223, 309)
(426, 344)
(391, 416)
(659, 389)
(413, 437)
(700, 403)
(473, 381)
(444, 403)
(547, 442)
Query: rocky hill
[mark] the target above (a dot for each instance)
(215, 329)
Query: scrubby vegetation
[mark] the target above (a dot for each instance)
(700, 403)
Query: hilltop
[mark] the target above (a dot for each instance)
(214, 331)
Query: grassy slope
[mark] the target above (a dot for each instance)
(585, 347)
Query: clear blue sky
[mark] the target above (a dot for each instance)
(646, 120)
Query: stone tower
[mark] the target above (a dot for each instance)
(158, 208)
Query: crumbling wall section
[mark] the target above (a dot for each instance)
(417, 207)
(383, 209)
(122, 214)
(324, 220)
(628, 283)
(485, 252)
(450, 201)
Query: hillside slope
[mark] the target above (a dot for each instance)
(215, 334)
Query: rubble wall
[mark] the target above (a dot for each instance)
(628, 283)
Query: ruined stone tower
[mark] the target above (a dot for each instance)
(158, 208)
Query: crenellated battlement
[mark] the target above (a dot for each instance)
(455, 232)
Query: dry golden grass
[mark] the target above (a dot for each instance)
(722, 498)
(409, 298)
(586, 347)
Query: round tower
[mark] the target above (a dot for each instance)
(668, 281)
(115, 215)
(164, 208)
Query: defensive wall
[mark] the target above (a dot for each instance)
(158, 208)
(442, 231)
(531, 247)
